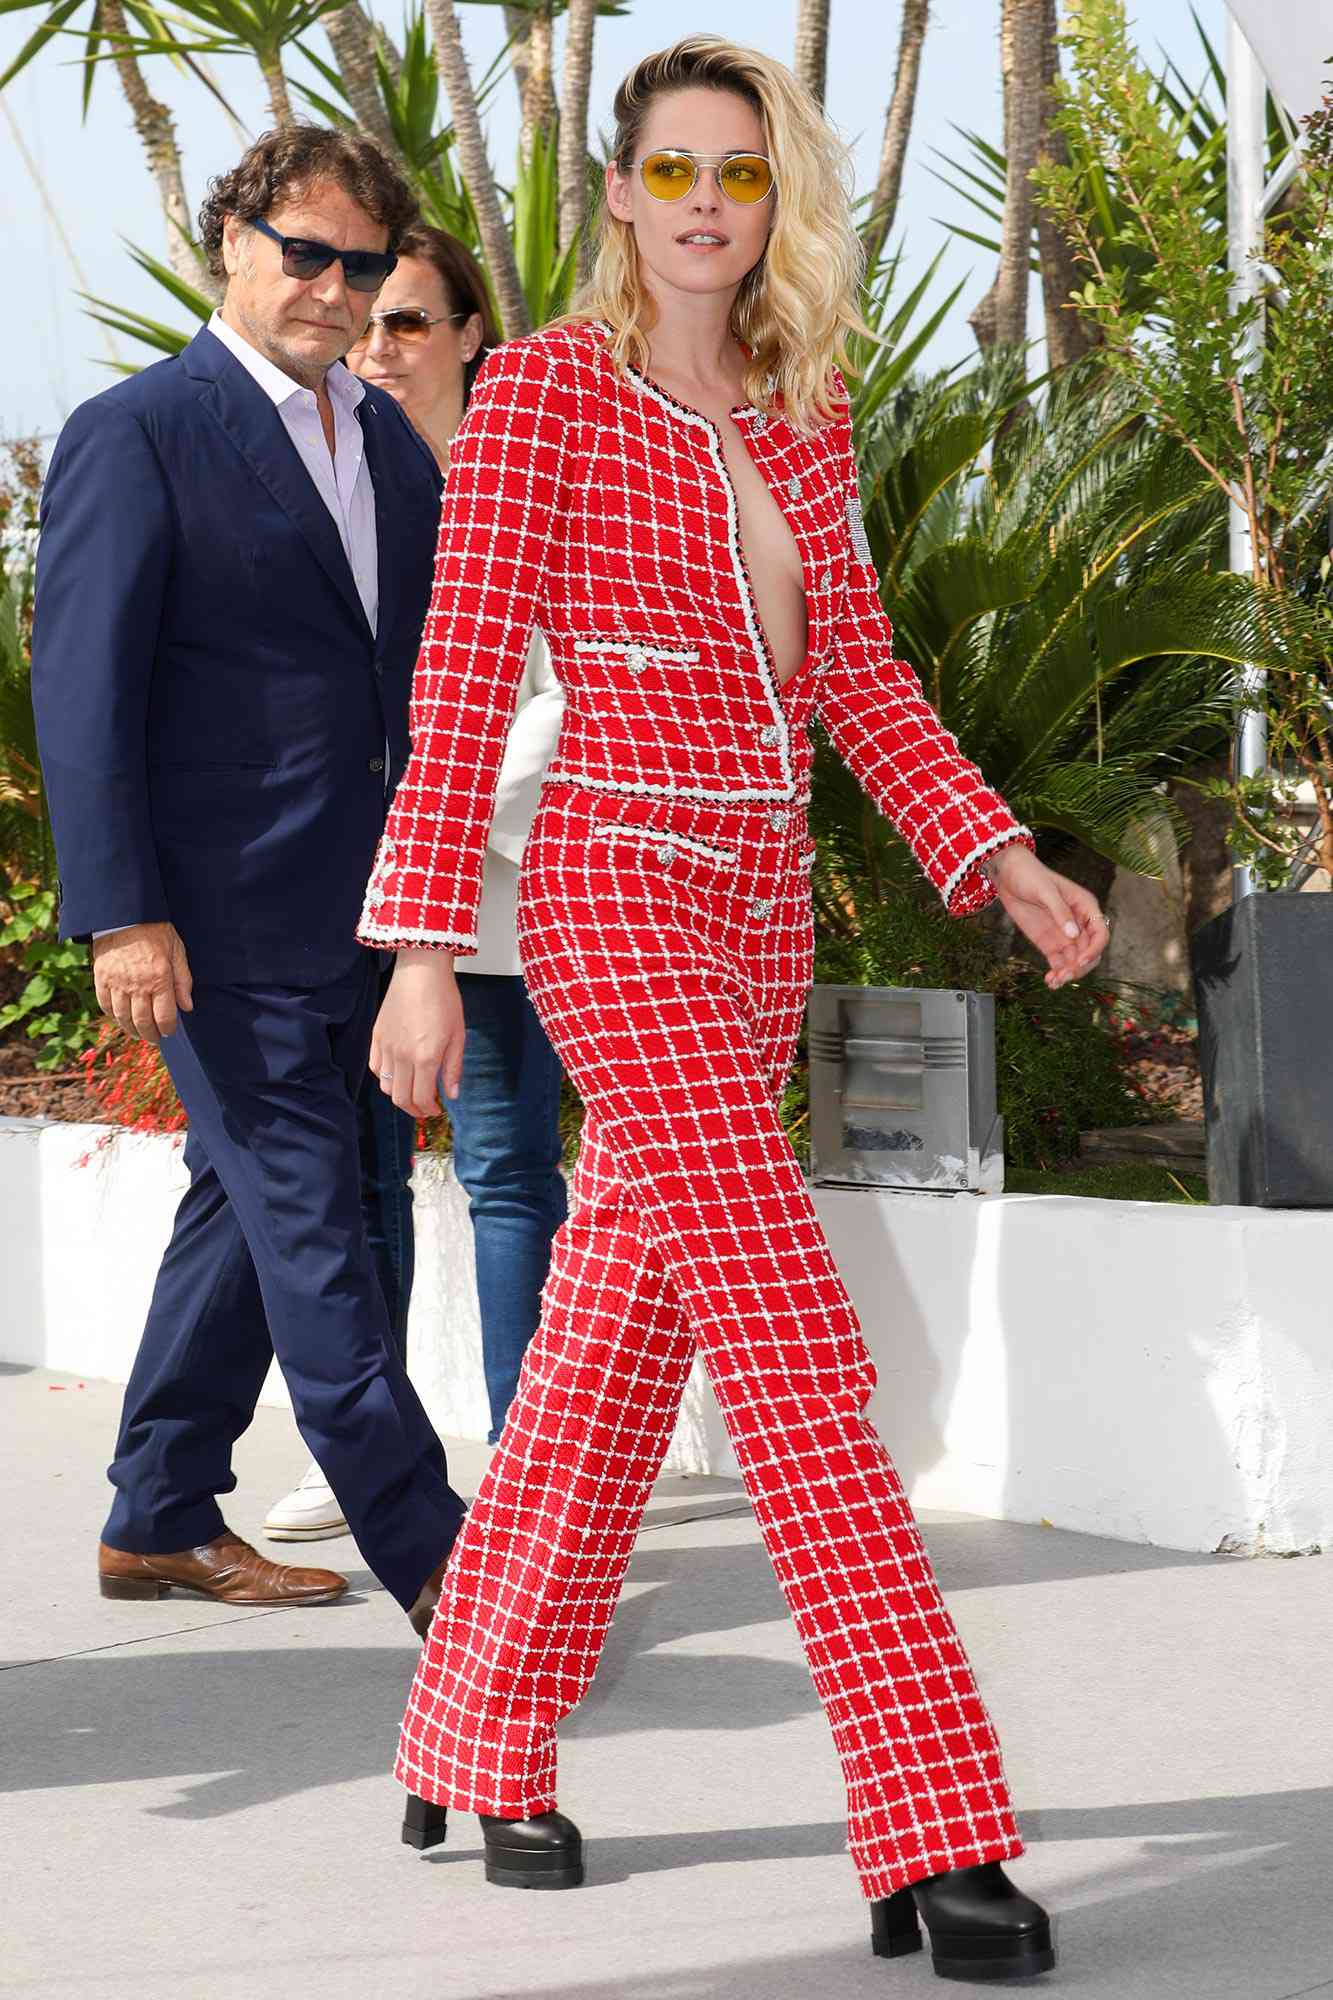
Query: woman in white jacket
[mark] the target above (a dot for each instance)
(425, 342)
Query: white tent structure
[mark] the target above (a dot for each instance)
(1284, 45)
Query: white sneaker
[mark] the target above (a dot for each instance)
(308, 1514)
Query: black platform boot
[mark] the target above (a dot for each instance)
(541, 1853)
(424, 1825)
(980, 1925)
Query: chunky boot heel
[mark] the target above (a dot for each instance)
(132, 1586)
(894, 1930)
(424, 1824)
(541, 1853)
(980, 1925)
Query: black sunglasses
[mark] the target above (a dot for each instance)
(364, 270)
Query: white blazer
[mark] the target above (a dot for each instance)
(529, 748)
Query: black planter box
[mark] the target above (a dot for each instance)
(1263, 973)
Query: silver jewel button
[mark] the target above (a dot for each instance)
(826, 580)
(762, 908)
(635, 659)
(794, 488)
(761, 420)
(769, 734)
(664, 853)
(778, 821)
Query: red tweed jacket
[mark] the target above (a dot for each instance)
(599, 508)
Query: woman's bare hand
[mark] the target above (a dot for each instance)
(1060, 917)
(418, 1038)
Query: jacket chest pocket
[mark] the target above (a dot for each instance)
(637, 656)
(667, 849)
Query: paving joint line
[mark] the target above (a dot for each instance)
(173, 1632)
(275, 1610)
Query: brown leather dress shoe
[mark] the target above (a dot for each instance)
(227, 1569)
(423, 1611)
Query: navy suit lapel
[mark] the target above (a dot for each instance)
(379, 464)
(253, 425)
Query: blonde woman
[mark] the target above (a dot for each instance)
(665, 483)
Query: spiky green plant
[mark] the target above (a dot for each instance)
(1192, 114)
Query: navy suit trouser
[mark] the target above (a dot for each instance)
(269, 1255)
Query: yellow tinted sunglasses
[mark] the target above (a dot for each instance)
(670, 174)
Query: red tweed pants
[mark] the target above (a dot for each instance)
(667, 950)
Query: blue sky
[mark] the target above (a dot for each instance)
(52, 356)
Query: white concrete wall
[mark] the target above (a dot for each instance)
(1153, 1372)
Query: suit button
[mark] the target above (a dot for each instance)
(379, 670)
(761, 908)
(664, 854)
(377, 763)
(778, 821)
(635, 659)
(769, 735)
(826, 580)
(794, 488)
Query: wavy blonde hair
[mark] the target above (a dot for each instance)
(795, 309)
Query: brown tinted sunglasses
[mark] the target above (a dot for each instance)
(407, 324)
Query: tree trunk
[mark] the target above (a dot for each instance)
(496, 244)
(575, 85)
(279, 99)
(352, 39)
(518, 26)
(535, 76)
(157, 134)
(897, 125)
(811, 64)
(1002, 316)
(1069, 334)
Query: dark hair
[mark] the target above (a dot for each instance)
(286, 164)
(464, 284)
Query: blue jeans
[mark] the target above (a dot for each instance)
(506, 1122)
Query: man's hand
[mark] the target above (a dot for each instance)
(142, 976)
(418, 1036)
(1060, 917)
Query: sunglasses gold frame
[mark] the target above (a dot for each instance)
(715, 160)
(417, 314)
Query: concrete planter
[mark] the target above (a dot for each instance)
(1134, 1369)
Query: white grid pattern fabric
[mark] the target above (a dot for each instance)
(594, 505)
(667, 948)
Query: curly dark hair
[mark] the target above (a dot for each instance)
(284, 165)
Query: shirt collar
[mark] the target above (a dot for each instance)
(343, 386)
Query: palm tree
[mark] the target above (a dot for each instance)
(496, 243)
(897, 125)
(107, 33)
(811, 60)
(358, 51)
(1000, 319)
(1201, 135)
(531, 26)
(575, 88)
(1061, 611)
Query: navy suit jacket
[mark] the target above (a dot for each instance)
(212, 706)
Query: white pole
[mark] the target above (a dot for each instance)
(1246, 157)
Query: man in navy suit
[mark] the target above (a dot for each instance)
(235, 560)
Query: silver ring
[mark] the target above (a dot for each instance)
(386, 1076)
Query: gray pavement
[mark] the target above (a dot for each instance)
(196, 1802)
